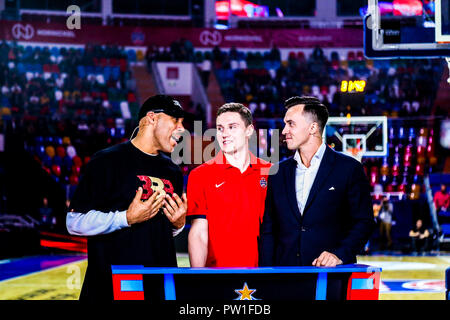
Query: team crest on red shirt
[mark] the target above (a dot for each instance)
(263, 182)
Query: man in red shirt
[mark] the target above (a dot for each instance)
(226, 196)
(441, 202)
(442, 199)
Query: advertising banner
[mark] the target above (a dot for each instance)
(200, 37)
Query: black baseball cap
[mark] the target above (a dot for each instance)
(164, 104)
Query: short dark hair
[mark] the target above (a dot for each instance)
(245, 112)
(313, 106)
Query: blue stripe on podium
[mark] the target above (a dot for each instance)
(321, 286)
(362, 284)
(169, 287)
(131, 285)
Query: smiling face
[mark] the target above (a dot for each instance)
(167, 132)
(232, 133)
(298, 127)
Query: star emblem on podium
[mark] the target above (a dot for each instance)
(245, 293)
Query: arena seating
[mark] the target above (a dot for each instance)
(411, 157)
(66, 81)
(394, 88)
(69, 100)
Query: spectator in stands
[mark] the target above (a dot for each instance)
(16, 98)
(206, 70)
(217, 54)
(275, 54)
(188, 49)
(385, 218)
(442, 201)
(200, 115)
(233, 54)
(318, 54)
(419, 237)
(5, 89)
(262, 111)
(164, 55)
(46, 215)
(150, 56)
(176, 51)
(4, 49)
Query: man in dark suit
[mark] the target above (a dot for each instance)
(318, 208)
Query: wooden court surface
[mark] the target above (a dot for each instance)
(64, 282)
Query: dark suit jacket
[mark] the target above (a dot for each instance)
(338, 215)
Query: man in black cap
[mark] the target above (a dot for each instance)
(130, 201)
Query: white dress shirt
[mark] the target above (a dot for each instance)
(304, 177)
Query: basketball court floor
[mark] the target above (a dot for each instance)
(59, 277)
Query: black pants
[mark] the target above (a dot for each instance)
(419, 245)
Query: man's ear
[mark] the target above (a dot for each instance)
(249, 130)
(149, 118)
(314, 129)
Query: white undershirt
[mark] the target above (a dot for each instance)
(97, 222)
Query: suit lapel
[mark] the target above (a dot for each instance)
(324, 170)
(289, 183)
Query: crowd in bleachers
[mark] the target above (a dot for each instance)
(76, 83)
(181, 50)
(397, 88)
(66, 101)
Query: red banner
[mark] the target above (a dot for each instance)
(200, 37)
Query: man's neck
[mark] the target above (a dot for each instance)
(308, 151)
(240, 160)
(145, 147)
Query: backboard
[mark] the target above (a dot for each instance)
(358, 136)
(407, 29)
(442, 18)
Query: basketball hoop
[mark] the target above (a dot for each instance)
(357, 137)
(382, 33)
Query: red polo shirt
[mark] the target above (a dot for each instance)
(233, 204)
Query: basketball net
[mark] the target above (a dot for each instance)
(355, 152)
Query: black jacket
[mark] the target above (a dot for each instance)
(337, 217)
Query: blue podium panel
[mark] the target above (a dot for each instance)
(227, 284)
